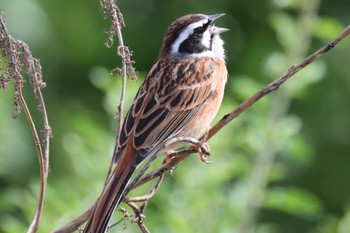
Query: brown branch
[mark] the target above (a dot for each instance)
(74, 225)
(148, 195)
(274, 85)
(126, 216)
(110, 9)
(139, 217)
(180, 156)
(168, 165)
(265, 157)
(13, 49)
(140, 210)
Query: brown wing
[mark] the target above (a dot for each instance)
(169, 98)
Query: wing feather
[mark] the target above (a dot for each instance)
(165, 104)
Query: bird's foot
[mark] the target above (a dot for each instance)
(204, 149)
(204, 152)
(169, 156)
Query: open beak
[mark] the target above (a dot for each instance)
(216, 30)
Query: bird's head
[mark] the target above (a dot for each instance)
(193, 36)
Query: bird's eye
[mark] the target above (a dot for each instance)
(198, 31)
(201, 30)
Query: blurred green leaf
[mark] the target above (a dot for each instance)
(294, 201)
(303, 127)
(286, 29)
(327, 28)
(344, 224)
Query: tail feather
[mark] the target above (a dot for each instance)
(110, 198)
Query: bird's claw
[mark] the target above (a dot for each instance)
(167, 161)
(204, 154)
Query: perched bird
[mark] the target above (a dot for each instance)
(180, 96)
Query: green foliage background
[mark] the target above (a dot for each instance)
(282, 166)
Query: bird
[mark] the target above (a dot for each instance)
(179, 97)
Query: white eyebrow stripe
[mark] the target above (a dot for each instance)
(217, 50)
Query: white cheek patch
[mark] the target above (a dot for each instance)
(218, 46)
(217, 50)
(206, 39)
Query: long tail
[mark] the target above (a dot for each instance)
(111, 196)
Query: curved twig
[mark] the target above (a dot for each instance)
(161, 148)
(111, 10)
(13, 48)
(179, 156)
(274, 85)
(148, 195)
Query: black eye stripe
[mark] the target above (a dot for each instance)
(202, 29)
(193, 44)
(198, 30)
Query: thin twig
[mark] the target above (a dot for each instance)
(34, 71)
(148, 195)
(274, 85)
(117, 22)
(35, 74)
(266, 156)
(74, 225)
(43, 175)
(14, 49)
(171, 141)
(179, 156)
(111, 10)
(139, 217)
(126, 215)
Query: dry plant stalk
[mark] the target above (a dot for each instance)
(19, 57)
(111, 10)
